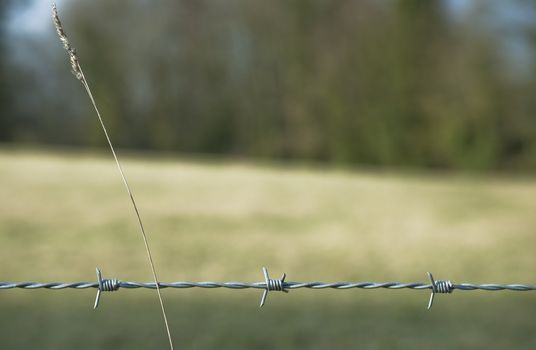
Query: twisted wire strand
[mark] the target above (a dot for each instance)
(262, 285)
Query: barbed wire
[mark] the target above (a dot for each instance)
(262, 285)
(269, 284)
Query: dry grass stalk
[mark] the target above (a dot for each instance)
(79, 74)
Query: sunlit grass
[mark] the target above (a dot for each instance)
(63, 214)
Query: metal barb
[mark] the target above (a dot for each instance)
(438, 287)
(105, 285)
(271, 284)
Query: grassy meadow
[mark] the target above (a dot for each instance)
(64, 213)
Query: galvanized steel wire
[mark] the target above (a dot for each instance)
(268, 285)
(262, 285)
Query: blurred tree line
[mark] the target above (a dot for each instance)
(395, 83)
(5, 97)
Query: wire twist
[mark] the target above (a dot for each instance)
(272, 284)
(105, 285)
(438, 287)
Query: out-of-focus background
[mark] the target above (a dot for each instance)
(331, 140)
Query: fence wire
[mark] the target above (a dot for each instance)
(269, 284)
(262, 285)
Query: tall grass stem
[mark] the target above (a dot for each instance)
(79, 74)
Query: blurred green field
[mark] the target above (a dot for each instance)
(64, 213)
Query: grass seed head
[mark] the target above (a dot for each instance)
(75, 66)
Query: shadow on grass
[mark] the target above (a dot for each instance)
(232, 320)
